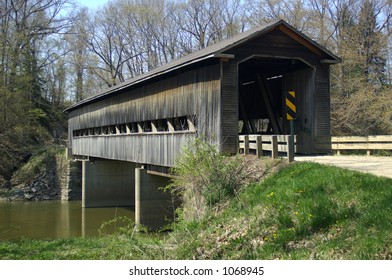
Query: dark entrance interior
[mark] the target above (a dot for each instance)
(261, 94)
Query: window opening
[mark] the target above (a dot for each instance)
(162, 125)
(184, 123)
(146, 126)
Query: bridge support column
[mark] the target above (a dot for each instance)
(107, 183)
(152, 206)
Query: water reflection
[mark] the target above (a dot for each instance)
(54, 219)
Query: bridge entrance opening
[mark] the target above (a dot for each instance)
(262, 86)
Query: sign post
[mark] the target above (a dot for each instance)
(291, 115)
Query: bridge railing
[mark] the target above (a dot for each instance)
(366, 143)
(274, 144)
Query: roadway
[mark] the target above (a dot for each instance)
(380, 166)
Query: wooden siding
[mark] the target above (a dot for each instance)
(322, 118)
(275, 44)
(150, 148)
(193, 93)
(229, 108)
(184, 94)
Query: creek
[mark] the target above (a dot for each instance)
(56, 219)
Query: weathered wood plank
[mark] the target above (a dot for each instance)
(274, 147)
(345, 139)
(362, 146)
(266, 138)
(259, 143)
(227, 110)
(246, 145)
(357, 139)
(146, 148)
(380, 138)
(259, 146)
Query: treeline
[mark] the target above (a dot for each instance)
(55, 52)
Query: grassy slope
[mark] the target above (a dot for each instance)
(306, 211)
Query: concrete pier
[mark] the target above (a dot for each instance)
(108, 183)
(153, 207)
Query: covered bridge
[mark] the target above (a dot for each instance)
(234, 87)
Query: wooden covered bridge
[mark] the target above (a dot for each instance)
(133, 132)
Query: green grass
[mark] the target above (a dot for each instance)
(305, 211)
(111, 247)
(73, 248)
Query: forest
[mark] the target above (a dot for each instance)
(56, 52)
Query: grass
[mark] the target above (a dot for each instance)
(305, 211)
(111, 247)
(73, 248)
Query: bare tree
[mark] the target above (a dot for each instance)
(294, 12)
(195, 18)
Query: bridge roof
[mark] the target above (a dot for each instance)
(217, 50)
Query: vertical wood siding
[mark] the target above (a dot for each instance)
(229, 108)
(156, 149)
(322, 118)
(275, 44)
(188, 93)
(195, 93)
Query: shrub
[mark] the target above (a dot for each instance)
(204, 178)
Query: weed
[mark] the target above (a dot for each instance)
(205, 178)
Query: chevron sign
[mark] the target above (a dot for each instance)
(291, 108)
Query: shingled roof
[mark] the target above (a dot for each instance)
(217, 50)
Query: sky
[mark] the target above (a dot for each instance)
(92, 4)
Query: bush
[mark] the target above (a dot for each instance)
(204, 178)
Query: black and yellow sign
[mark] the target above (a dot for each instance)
(291, 109)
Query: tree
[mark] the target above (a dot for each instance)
(372, 45)
(362, 45)
(29, 45)
(79, 56)
(106, 43)
(294, 12)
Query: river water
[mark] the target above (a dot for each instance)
(56, 219)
